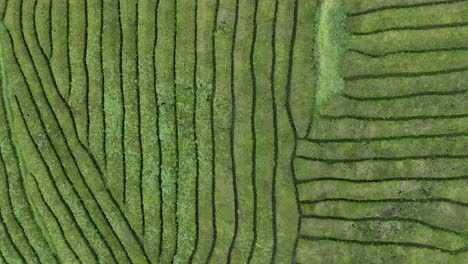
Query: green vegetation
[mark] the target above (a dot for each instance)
(232, 131)
(331, 44)
(381, 175)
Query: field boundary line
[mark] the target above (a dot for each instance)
(319, 179)
(383, 8)
(292, 123)
(70, 77)
(122, 106)
(401, 158)
(195, 134)
(383, 138)
(103, 85)
(405, 96)
(212, 132)
(254, 133)
(232, 136)
(176, 133)
(139, 134)
(394, 118)
(387, 200)
(275, 134)
(158, 131)
(404, 74)
(372, 55)
(51, 3)
(86, 75)
(412, 28)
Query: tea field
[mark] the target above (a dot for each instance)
(234, 131)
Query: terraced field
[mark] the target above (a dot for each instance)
(382, 172)
(234, 131)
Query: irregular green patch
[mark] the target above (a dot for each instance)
(331, 44)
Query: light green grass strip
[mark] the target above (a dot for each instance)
(330, 46)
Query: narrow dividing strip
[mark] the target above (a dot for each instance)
(85, 67)
(70, 77)
(103, 85)
(388, 138)
(383, 219)
(139, 135)
(390, 200)
(51, 29)
(254, 133)
(34, 13)
(393, 118)
(195, 134)
(5, 7)
(232, 138)
(310, 180)
(176, 131)
(373, 10)
(403, 74)
(390, 159)
(403, 96)
(384, 243)
(423, 27)
(158, 133)
(275, 135)
(212, 138)
(380, 55)
(2, 257)
(292, 123)
(123, 107)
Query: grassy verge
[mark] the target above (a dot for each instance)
(331, 42)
